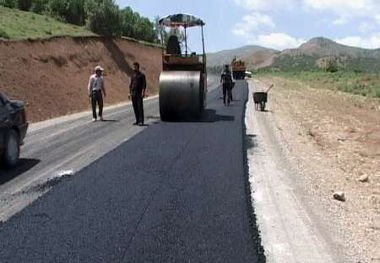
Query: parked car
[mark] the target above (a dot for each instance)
(13, 127)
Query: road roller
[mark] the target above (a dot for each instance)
(183, 80)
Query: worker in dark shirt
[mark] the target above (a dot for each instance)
(227, 85)
(137, 91)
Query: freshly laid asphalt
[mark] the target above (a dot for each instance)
(176, 192)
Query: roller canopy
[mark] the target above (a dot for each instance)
(184, 20)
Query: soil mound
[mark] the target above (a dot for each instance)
(51, 75)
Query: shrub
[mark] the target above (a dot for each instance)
(4, 34)
(331, 65)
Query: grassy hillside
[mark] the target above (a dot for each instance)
(303, 62)
(15, 24)
(356, 83)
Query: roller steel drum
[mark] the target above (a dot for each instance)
(182, 94)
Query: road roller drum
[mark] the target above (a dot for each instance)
(181, 94)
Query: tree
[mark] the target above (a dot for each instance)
(39, 6)
(9, 3)
(130, 21)
(70, 11)
(104, 18)
(136, 26)
(24, 5)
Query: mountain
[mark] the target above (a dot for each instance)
(325, 47)
(252, 55)
(312, 55)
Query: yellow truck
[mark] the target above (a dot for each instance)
(238, 69)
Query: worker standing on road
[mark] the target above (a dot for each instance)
(227, 85)
(96, 91)
(137, 90)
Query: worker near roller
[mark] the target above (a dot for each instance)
(96, 91)
(137, 91)
(227, 84)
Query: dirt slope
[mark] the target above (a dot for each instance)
(51, 75)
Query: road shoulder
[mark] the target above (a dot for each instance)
(289, 232)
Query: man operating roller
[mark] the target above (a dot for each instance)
(137, 91)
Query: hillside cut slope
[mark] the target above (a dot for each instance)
(51, 75)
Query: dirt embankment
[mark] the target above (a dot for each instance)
(51, 75)
(334, 139)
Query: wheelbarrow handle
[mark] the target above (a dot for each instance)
(271, 86)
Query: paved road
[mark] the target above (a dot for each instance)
(175, 192)
(68, 144)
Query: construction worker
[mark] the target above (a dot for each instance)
(227, 85)
(96, 91)
(137, 91)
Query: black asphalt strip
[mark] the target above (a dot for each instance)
(176, 192)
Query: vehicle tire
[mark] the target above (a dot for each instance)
(12, 149)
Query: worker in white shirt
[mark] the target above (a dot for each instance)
(96, 91)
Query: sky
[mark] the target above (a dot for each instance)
(278, 24)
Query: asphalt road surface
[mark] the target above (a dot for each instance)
(172, 192)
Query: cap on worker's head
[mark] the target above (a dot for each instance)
(99, 68)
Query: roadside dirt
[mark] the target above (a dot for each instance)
(334, 140)
(51, 75)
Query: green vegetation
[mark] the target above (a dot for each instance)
(15, 24)
(294, 63)
(302, 62)
(365, 84)
(102, 17)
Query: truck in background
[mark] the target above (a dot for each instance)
(238, 69)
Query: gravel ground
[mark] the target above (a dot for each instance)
(332, 140)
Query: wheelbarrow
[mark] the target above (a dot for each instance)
(261, 98)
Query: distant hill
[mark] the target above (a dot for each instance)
(320, 46)
(253, 55)
(312, 55)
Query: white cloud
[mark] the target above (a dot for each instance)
(371, 42)
(377, 18)
(340, 21)
(252, 22)
(266, 5)
(362, 16)
(366, 27)
(343, 7)
(346, 9)
(278, 41)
